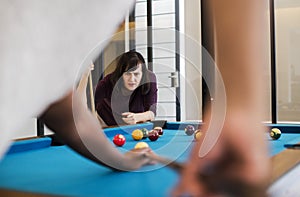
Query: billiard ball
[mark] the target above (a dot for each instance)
(119, 140)
(145, 132)
(197, 135)
(189, 130)
(137, 134)
(153, 135)
(141, 145)
(159, 130)
(275, 133)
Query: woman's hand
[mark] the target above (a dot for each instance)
(237, 165)
(136, 158)
(130, 118)
(133, 118)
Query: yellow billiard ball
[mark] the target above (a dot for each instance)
(275, 133)
(137, 134)
(197, 135)
(141, 145)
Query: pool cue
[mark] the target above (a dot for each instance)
(177, 166)
(284, 161)
(92, 92)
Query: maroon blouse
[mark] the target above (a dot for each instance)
(111, 103)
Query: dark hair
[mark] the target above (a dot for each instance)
(130, 61)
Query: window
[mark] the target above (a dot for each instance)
(287, 47)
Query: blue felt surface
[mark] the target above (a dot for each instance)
(31, 144)
(276, 146)
(110, 132)
(181, 125)
(60, 171)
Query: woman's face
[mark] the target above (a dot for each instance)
(132, 79)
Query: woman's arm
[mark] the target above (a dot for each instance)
(79, 129)
(238, 162)
(150, 100)
(133, 118)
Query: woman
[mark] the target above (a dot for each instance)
(129, 94)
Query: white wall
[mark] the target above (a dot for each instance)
(193, 98)
(28, 130)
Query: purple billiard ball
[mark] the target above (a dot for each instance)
(189, 130)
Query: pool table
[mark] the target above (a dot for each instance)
(35, 167)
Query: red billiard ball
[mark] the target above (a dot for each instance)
(189, 130)
(153, 135)
(159, 130)
(119, 140)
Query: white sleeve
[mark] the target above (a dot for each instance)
(42, 47)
